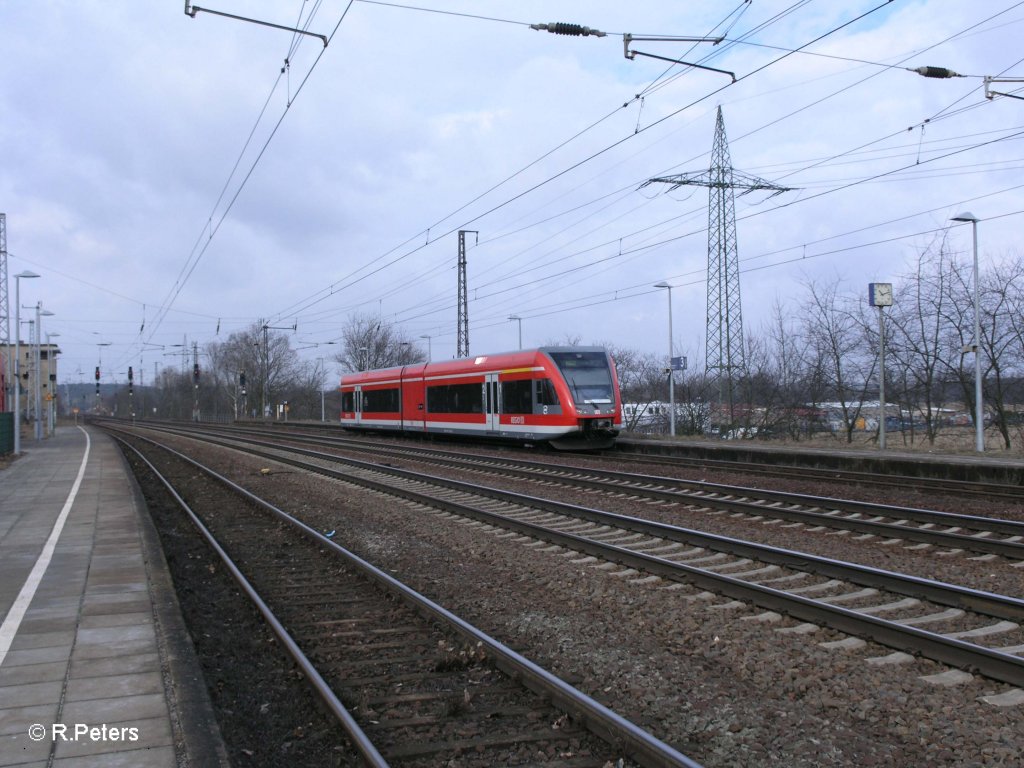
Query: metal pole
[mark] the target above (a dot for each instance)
(671, 377)
(17, 365)
(979, 419)
(881, 379)
(320, 380)
(51, 408)
(519, 320)
(38, 424)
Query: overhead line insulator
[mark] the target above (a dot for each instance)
(573, 30)
(940, 72)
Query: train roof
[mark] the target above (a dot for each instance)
(512, 359)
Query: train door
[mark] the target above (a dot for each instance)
(414, 414)
(491, 405)
(357, 397)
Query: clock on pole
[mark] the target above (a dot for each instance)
(880, 294)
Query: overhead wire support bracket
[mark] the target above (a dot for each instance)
(989, 93)
(943, 72)
(192, 10)
(631, 55)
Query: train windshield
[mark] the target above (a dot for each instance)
(587, 374)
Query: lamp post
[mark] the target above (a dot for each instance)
(671, 380)
(429, 354)
(40, 313)
(17, 358)
(979, 420)
(518, 319)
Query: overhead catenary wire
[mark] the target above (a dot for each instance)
(340, 287)
(473, 220)
(211, 228)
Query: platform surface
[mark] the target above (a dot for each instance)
(95, 664)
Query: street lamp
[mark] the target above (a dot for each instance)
(520, 321)
(17, 358)
(671, 380)
(40, 313)
(979, 425)
(429, 355)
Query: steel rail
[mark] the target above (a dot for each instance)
(992, 663)
(359, 738)
(623, 452)
(1002, 547)
(640, 484)
(637, 743)
(999, 606)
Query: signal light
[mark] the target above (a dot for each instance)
(129, 373)
(195, 372)
(97, 373)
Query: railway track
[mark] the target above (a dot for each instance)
(632, 452)
(410, 683)
(964, 628)
(953, 533)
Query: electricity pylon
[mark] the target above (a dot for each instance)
(725, 359)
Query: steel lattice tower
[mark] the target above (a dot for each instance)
(725, 359)
(462, 343)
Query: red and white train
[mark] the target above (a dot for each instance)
(565, 396)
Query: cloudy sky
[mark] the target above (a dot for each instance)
(175, 179)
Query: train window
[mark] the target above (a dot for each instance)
(517, 396)
(437, 399)
(380, 400)
(348, 401)
(588, 375)
(455, 398)
(546, 394)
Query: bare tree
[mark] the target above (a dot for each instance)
(1001, 301)
(790, 393)
(833, 327)
(641, 383)
(919, 340)
(266, 358)
(369, 343)
(960, 319)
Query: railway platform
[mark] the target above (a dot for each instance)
(96, 666)
(982, 467)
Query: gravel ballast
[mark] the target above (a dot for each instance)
(715, 679)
